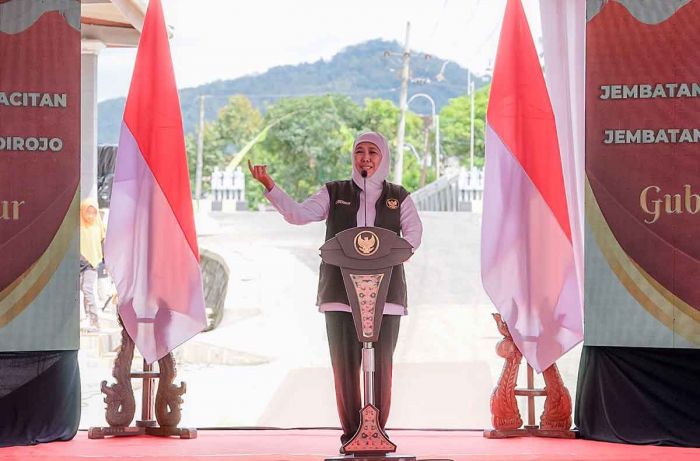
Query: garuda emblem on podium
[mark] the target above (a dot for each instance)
(366, 243)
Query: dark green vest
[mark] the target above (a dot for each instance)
(342, 215)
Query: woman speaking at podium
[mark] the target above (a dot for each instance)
(365, 200)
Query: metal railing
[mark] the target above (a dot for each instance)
(461, 191)
(439, 195)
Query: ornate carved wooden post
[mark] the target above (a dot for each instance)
(505, 415)
(119, 397)
(121, 404)
(557, 406)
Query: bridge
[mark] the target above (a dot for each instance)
(461, 190)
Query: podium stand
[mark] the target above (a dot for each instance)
(366, 257)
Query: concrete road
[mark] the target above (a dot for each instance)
(446, 365)
(267, 364)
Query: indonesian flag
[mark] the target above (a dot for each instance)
(151, 245)
(527, 259)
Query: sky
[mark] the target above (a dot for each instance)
(225, 39)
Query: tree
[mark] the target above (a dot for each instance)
(380, 115)
(310, 147)
(412, 168)
(212, 155)
(312, 142)
(237, 123)
(455, 127)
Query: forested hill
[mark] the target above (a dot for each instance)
(360, 71)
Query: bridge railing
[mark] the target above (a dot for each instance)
(462, 191)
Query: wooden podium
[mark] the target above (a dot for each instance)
(366, 257)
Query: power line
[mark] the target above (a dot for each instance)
(437, 22)
(474, 11)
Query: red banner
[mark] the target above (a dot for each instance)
(39, 154)
(643, 168)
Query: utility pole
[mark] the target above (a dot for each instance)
(398, 166)
(200, 149)
(471, 130)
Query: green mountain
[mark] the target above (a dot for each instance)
(369, 70)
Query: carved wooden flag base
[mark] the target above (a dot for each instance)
(121, 405)
(505, 415)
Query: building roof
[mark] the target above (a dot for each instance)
(115, 23)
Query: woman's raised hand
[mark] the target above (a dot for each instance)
(260, 174)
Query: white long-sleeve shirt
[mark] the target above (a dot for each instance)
(315, 208)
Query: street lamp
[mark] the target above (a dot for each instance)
(470, 92)
(440, 77)
(436, 127)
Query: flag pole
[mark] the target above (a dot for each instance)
(156, 207)
(147, 398)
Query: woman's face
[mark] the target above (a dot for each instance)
(90, 214)
(367, 157)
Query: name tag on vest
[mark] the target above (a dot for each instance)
(342, 202)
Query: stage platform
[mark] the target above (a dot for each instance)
(314, 444)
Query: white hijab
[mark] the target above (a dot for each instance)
(377, 179)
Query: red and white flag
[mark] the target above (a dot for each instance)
(527, 259)
(151, 245)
